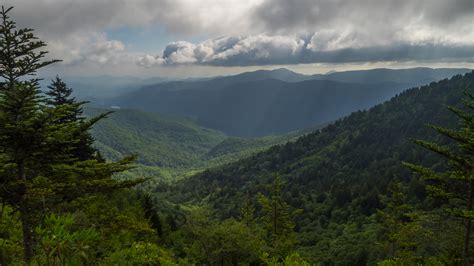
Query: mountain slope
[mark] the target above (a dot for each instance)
(159, 140)
(170, 141)
(262, 103)
(337, 174)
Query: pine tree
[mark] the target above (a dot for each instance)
(247, 212)
(38, 168)
(21, 115)
(20, 53)
(60, 94)
(399, 227)
(151, 214)
(278, 221)
(455, 185)
(60, 97)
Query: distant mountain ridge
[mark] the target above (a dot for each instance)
(282, 74)
(412, 76)
(418, 75)
(267, 102)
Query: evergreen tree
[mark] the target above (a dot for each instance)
(60, 97)
(20, 53)
(21, 115)
(151, 214)
(247, 212)
(278, 221)
(60, 94)
(455, 185)
(402, 235)
(38, 168)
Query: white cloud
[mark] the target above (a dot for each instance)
(242, 50)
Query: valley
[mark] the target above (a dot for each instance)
(169, 146)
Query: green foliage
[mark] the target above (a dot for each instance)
(140, 253)
(30, 139)
(52, 180)
(338, 174)
(60, 97)
(151, 214)
(402, 262)
(60, 244)
(158, 140)
(170, 143)
(226, 243)
(20, 51)
(278, 221)
(41, 168)
(455, 185)
(10, 236)
(404, 232)
(294, 259)
(229, 242)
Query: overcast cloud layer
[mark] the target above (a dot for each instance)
(255, 32)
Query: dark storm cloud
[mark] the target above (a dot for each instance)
(296, 15)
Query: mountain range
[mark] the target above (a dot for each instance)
(264, 102)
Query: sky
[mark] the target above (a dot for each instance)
(191, 38)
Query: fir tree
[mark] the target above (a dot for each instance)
(20, 53)
(278, 221)
(60, 94)
(401, 229)
(151, 214)
(60, 97)
(38, 166)
(456, 185)
(247, 212)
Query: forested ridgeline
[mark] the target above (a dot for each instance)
(343, 176)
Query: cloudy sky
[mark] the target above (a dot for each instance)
(214, 37)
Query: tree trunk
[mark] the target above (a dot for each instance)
(2, 252)
(26, 222)
(27, 226)
(468, 226)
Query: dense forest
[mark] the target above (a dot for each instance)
(392, 185)
(342, 177)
